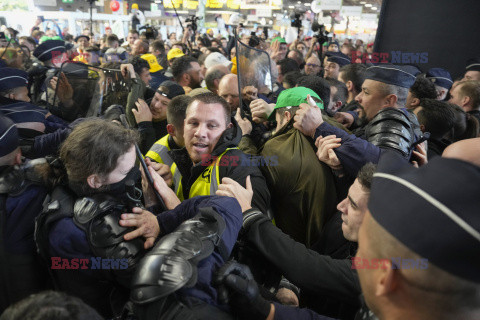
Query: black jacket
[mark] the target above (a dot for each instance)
(315, 274)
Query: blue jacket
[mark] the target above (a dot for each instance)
(231, 212)
(69, 241)
(354, 151)
(21, 212)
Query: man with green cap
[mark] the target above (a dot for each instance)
(303, 190)
(278, 48)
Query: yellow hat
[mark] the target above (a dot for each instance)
(152, 61)
(234, 65)
(208, 31)
(134, 6)
(174, 53)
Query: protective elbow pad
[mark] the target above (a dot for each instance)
(392, 129)
(98, 216)
(172, 263)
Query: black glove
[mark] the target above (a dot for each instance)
(236, 285)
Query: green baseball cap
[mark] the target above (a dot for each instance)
(293, 98)
(279, 39)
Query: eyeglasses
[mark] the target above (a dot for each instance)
(313, 65)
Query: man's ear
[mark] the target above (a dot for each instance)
(337, 106)
(349, 85)
(415, 102)
(171, 129)
(466, 101)
(186, 77)
(390, 100)
(230, 125)
(387, 279)
(94, 181)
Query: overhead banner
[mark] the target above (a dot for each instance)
(351, 11)
(168, 4)
(190, 5)
(211, 5)
(262, 4)
(264, 12)
(330, 4)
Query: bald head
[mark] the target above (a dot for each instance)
(466, 150)
(313, 65)
(228, 90)
(213, 76)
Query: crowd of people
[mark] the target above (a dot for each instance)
(239, 178)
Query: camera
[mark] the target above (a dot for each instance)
(254, 40)
(192, 22)
(296, 22)
(321, 35)
(150, 32)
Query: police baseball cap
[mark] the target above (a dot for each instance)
(48, 49)
(473, 64)
(440, 77)
(11, 78)
(293, 98)
(425, 210)
(339, 58)
(333, 42)
(391, 74)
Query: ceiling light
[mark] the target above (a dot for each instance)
(308, 4)
(299, 2)
(291, 7)
(368, 5)
(374, 8)
(362, 2)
